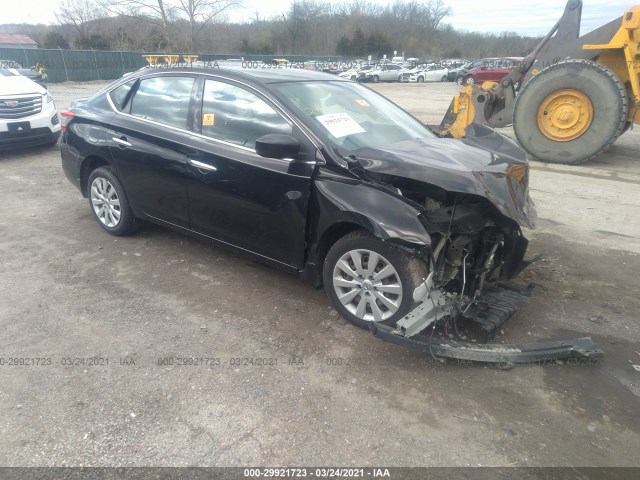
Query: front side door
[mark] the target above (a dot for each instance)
(236, 196)
(391, 73)
(149, 145)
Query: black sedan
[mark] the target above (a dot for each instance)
(313, 174)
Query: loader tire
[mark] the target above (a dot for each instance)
(570, 112)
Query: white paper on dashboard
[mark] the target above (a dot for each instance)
(340, 124)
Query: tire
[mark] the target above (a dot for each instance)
(117, 218)
(368, 298)
(353, 78)
(376, 79)
(420, 79)
(444, 79)
(459, 80)
(399, 78)
(591, 93)
(469, 80)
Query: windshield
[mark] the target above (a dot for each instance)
(351, 116)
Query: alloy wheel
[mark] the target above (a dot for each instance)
(367, 285)
(105, 202)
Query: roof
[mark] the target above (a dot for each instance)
(261, 75)
(17, 39)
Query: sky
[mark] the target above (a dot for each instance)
(525, 18)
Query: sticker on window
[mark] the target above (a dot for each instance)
(340, 124)
(208, 120)
(362, 103)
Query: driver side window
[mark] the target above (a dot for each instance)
(237, 116)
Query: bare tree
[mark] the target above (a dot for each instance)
(203, 12)
(438, 11)
(158, 12)
(299, 17)
(78, 14)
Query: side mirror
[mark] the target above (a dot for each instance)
(276, 145)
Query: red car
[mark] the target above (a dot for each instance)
(493, 70)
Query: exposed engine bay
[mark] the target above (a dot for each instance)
(473, 203)
(475, 250)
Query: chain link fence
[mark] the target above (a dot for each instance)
(85, 65)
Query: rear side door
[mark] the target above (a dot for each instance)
(150, 145)
(236, 196)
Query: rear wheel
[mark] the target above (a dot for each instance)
(459, 80)
(444, 79)
(376, 79)
(570, 112)
(368, 280)
(469, 80)
(109, 203)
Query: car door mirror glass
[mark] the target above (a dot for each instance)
(276, 145)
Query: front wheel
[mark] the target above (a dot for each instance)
(376, 79)
(368, 280)
(444, 79)
(459, 80)
(469, 80)
(570, 112)
(109, 203)
(420, 79)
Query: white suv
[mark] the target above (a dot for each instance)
(28, 115)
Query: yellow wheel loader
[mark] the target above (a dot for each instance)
(579, 94)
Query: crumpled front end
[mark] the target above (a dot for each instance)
(475, 202)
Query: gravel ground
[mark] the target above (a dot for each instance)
(330, 394)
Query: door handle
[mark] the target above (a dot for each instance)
(121, 141)
(202, 165)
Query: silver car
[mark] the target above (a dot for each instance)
(388, 72)
(433, 73)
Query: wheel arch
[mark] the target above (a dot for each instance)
(345, 207)
(89, 164)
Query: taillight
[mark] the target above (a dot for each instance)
(66, 117)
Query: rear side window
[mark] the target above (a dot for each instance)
(164, 100)
(235, 115)
(119, 95)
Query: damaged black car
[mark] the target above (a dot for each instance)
(320, 177)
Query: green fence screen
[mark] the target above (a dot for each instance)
(85, 65)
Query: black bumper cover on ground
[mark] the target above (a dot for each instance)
(582, 349)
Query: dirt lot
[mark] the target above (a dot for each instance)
(71, 291)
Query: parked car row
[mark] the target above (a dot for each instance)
(478, 71)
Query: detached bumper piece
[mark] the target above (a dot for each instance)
(538, 352)
(490, 312)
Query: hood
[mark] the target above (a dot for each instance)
(489, 165)
(19, 85)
